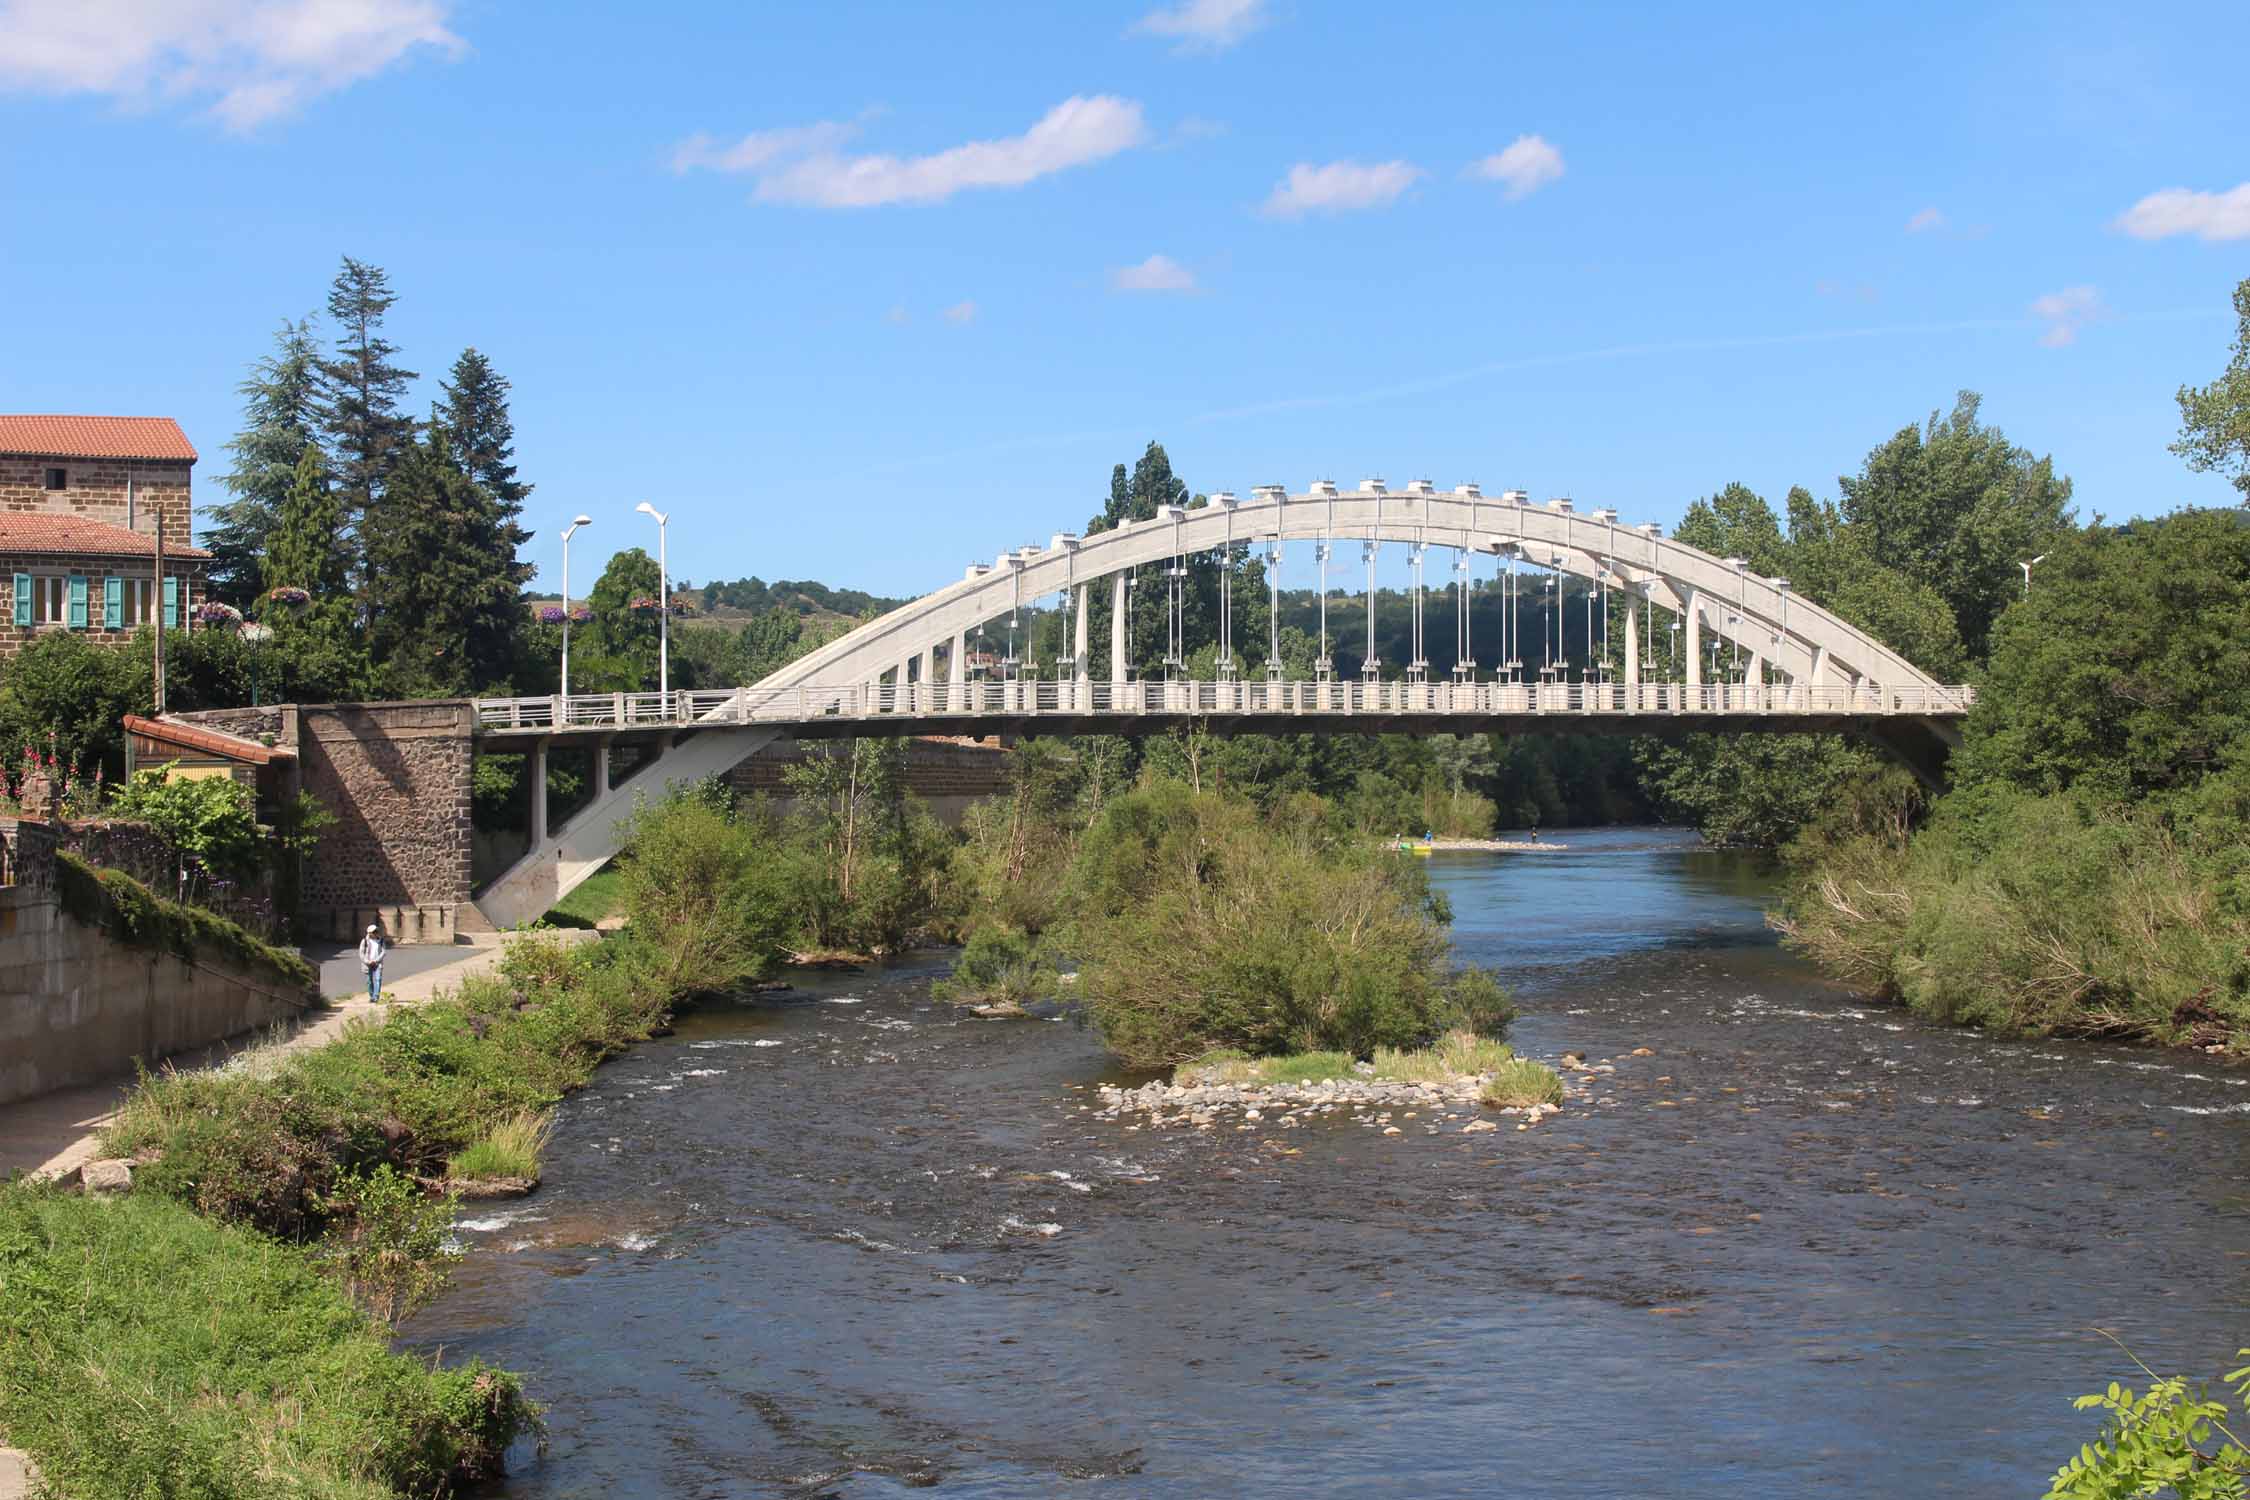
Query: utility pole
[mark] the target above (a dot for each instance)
(159, 602)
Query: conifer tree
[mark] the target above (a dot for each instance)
(360, 389)
(475, 412)
(307, 550)
(280, 411)
(445, 608)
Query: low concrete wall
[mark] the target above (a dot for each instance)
(78, 1006)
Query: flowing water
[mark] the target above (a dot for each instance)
(841, 1241)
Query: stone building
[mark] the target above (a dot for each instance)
(80, 502)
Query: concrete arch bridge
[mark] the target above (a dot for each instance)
(1791, 666)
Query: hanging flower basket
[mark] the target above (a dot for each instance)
(580, 614)
(646, 605)
(217, 616)
(289, 597)
(552, 614)
(256, 634)
(681, 607)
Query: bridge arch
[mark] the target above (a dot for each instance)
(1803, 642)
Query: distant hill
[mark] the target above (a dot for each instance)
(748, 598)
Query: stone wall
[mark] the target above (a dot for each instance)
(947, 774)
(14, 637)
(276, 720)
(95, 489)
(78, 1006)
(396, 775)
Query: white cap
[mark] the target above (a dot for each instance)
(371, 927)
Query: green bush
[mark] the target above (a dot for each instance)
(1202, 922)
(151, 1352)
(997, 966)
(705, 891)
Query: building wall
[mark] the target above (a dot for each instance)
(14, 637)
(396, 775)
(78, 1006)
(95, 489)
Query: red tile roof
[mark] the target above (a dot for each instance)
(76, 536)
(209, 741)
(95, 437)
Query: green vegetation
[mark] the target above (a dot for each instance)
(1519, 1083)
(145, 1351)
(1201, 921)
(2089, 872)
(1230, 1065)
(998, 966)
(136, 914)
(1457, 1054)
(511, 1148)
(2167, 1440)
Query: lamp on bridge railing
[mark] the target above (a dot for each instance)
(566, 533)
(663, 604)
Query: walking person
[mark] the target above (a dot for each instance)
(371, 951)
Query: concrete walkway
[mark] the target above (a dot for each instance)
(56, 1134)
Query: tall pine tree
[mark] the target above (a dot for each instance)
(475, 412)
(360, 390)
(280, 411)
(446, 615)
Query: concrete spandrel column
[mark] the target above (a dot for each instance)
(1078, 648)
(928, 674)
(601, 769)
(536, 768)
(1694, 640)
(957, 663)
(1117, 624)
(1632, 648)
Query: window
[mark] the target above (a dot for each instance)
(50, 599)
(58, 479)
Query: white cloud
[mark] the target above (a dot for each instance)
(254, 60)
(960, 312)
(1339, 187)
(802, 163)
(1529, 164)
(898, 316)
(2065, 312)
(2209, 216)
(1204, 25)
(1925, 221)
(1159, 273)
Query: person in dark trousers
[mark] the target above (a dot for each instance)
(371, 951)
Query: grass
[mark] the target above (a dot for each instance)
(145, 1351)
(1457, 1054)
(1520, 1083)
(1511, 1082)
(1228, 1066)
(511, 1148)
(599, 895)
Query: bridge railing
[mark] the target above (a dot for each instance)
(1017, 699)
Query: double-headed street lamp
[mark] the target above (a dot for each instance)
(567, 530)
(2027, 567)
(663, 605)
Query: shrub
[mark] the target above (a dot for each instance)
(1201, 923)
(1457, 1054)
(699, 889)
(135, 914)
(390, 1246)
(2160, 1441)
(999, 966)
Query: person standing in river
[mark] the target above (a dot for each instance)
(371, 951)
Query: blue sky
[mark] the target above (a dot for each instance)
(749, 262)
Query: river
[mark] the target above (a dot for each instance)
(841, 1241)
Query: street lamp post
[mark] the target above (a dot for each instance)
(2027, 567)
(663, 607)
(567, 530)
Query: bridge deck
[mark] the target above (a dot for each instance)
(1443, 707)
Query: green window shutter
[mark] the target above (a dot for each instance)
(23, 598)
(113, 604)
(171, 603)
(77, 606)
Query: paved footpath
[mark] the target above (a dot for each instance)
(56, 1134)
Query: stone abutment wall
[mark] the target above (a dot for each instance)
(396, 776)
